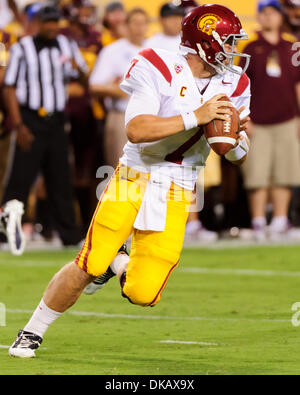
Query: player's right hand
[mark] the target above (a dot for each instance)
(24, 137)
(214, 109)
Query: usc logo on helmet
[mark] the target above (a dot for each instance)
(208, 23)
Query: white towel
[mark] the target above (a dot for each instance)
(152, 215)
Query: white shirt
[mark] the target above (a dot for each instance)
(162, 41)
(161, 83)
(112, 64)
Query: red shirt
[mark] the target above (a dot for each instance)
(8, 40)
(90, 45)
(273, 80)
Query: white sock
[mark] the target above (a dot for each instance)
(119, 262)
(193, 226)
(279, 224)
(259, 223)
(41, 319)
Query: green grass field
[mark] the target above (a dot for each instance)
(234, 305)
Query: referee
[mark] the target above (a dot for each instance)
(35, 92)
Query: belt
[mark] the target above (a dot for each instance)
(43, 113)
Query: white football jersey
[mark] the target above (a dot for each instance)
(161, 83)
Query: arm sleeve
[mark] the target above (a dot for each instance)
(243, 100)
(12, 71)
(78, 57)
(140, 78)
(140, 83)
(141, 104)
(103, 71)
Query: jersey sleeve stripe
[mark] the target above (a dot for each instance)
(157, 62)
(242, 86)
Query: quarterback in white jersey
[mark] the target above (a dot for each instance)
(161, 83)
(149, 195)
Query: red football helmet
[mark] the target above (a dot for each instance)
(210, 31)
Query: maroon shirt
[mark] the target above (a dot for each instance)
(7, 39)
(90, 45)
(90, 40)
(273, 81)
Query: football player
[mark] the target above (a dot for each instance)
(11, 226)
(150, 193)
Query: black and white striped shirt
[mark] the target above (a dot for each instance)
(40, 71)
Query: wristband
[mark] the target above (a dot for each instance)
(189, 120)
(238, 153)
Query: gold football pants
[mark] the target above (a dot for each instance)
(154, 255)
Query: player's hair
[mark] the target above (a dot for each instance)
(135, 11)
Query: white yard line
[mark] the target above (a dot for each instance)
(29, 263)
(239, 272)
(188, 343)
(152, 317)
(194, 270)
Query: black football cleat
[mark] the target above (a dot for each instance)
(25, 345)
(100, 281)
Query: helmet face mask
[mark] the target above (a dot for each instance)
(214, 37)
(225, 60)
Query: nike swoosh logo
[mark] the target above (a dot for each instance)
(226, 83)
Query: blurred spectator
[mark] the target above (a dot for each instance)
(292, 11)
(114, 22)
(274, 159)
(81, 111)
(34, 90)
(7, 39)
(170, 20)
(8, 11)
(112, 65)
(30, 21)
(188, 5)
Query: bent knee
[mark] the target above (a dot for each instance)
(141, 296)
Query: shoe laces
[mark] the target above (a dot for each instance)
(28, 340)
(104, 277)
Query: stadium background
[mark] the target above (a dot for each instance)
(245, 9)
(226, 310)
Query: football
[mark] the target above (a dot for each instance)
(222, 135)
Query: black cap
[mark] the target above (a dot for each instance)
(114, 5)
(48, 13)
(170, 9)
